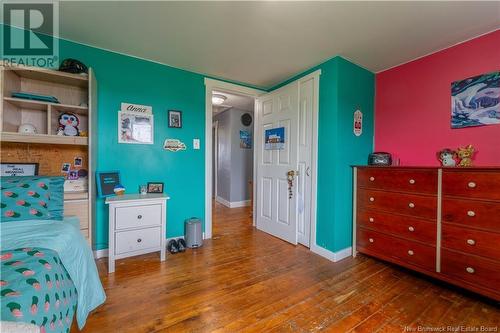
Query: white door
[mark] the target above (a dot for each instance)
(276, 206)
(304, 179)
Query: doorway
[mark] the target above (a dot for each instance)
(290, 210)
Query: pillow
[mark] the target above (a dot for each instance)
(31, 198)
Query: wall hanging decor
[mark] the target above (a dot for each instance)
(274, 139)
(106, 182)
(134, 127)
(19, 169)
(245, 140)
(128, 107)
(358, 123)
(174, 119)
(475, 101)
(174, 145)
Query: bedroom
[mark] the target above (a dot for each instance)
(144, 115)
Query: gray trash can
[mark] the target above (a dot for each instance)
(192, 232)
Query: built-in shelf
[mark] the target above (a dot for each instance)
(44, 138)
(42, 106)
(78, 195)
(50, 75)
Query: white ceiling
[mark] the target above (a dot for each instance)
(233, 101)
(264, 43)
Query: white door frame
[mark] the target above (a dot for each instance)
(215, 127)
(210, 85)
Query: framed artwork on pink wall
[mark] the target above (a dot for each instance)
(475, 101)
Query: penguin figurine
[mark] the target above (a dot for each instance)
(68, 125)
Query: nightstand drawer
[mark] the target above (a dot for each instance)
(136, 240)
(138, 216)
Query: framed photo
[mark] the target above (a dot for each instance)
(135, 128)
(174, 119)
(106, 182)
(155, 187)
(19, 169)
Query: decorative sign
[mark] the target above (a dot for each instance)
(135, 127)
(174, 145)
(127, 107)
(245, 140)
(358, 123)
(274, 139)
(19, 169)
(106, 182)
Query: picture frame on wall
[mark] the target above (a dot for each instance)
(19, 169)
(136, 128)
(155, 187)
(174, 119)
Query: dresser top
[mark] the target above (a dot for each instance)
(473, 168)
(137, 197)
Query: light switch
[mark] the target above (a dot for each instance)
(196, 143)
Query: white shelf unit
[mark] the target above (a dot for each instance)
(77, 94)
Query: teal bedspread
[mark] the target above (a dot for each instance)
(36, 288)
(64, 238)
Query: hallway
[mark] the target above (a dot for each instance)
(246, 280)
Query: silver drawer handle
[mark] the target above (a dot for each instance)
(410, 228)
(372, 179)
(411, 205)
(471, 213)
(139, 217)
(371, 240)
(412, 181)
(410, 252)
(471, 242)
(470, 270)
(471, 184)
(371, 219)
(372, 199)
(139, 240)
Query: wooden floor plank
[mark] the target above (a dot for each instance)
(244, 280)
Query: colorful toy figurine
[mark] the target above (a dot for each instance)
(447, 157)
(465, 155)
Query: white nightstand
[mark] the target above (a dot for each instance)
(137, 225)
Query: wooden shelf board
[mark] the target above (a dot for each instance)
(76, 195)
(44, 138)
(43, 106)
(50, 75)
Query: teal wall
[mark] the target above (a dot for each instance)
(344, 87)
(126, 79)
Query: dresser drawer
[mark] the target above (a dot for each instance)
(472, 184)
(136, 240)
(408, 204)
(472, 213)
(396, 248)
(413, 180)
(138, 216)
(472, 269)
(407, 227)
(481, 243)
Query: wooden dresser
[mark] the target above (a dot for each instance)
(443, 222)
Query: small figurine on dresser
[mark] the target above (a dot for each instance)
(68, 125)
(447, 157)
(465, 155)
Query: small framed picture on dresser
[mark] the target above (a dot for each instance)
(155, 187)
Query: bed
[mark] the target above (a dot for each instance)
(48, 273)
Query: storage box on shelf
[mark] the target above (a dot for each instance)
(76, 94)
(443, 222)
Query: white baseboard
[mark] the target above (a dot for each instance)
(332, 256)
(233, 204)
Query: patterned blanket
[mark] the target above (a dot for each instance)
(36, 288)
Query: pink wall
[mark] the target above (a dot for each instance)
(413, 105)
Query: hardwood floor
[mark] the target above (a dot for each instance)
(246, 280)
